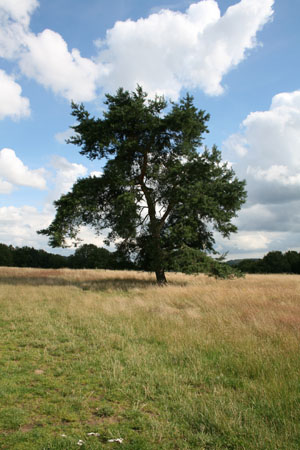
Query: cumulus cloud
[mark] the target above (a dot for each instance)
(168, 51)
(164, 52)
(19, 10)
(277, 174)
(45, 57)
(14, 25)
(257, 244)
(48, 61)
(250, 241)
(18, 225)
(66, 175)
(269, 144)
(12, 104)
(267, 154)
(5, 187)
(13, 172)
(275, 132)
(62, 136)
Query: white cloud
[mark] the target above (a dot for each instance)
(5, 187)
(96, 173)
(276, 133)
(14, 172)
(12, 104)
(170, 50)
(237, 143)
(87, 235)
(49, 62)
(18, 226)
(66, 175)
(268, 146)
(165, 52)
(62, 136)
(250, 241)
(276, 173)
(11, 37)
(257, 244)
(271, 140)
(19, 10)
(14, 25)
(247, 244)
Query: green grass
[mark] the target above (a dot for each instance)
(198, 364)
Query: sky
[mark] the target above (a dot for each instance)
(239, 59)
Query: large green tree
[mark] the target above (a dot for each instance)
(161, 190)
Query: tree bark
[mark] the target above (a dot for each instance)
(158, 260)
(160, 277)
(155, 226)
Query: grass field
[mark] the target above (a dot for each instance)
(201, 363)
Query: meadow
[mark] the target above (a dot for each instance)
(90, 356)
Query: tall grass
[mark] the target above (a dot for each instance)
(199, 364)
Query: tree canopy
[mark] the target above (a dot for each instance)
(161, 190)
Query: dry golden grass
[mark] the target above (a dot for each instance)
(264, 304)
(223, 354)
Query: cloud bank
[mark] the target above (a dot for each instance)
(12, 104)
(267, 148)
(170, 50)
(48, 61)
(13, 173)
(165, 52)
(18, 225)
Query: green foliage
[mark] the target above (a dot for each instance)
(90, 256)
(160, 187)
(273, 262)
(193, 261)
(30, 257)
(293, 260)
(6, 255)
(87, 256)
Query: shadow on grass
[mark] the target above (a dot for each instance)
(101, 284)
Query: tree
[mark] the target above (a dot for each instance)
(275, 262)
(89, 256)
(6, 255)
(160, 188)
(293, 260)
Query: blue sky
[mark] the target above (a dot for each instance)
(240, 60)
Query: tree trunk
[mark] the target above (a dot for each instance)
(158, 261)
(160, 277)
(155, 227)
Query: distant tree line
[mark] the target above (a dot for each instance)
(272, 262)
(88, 256)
